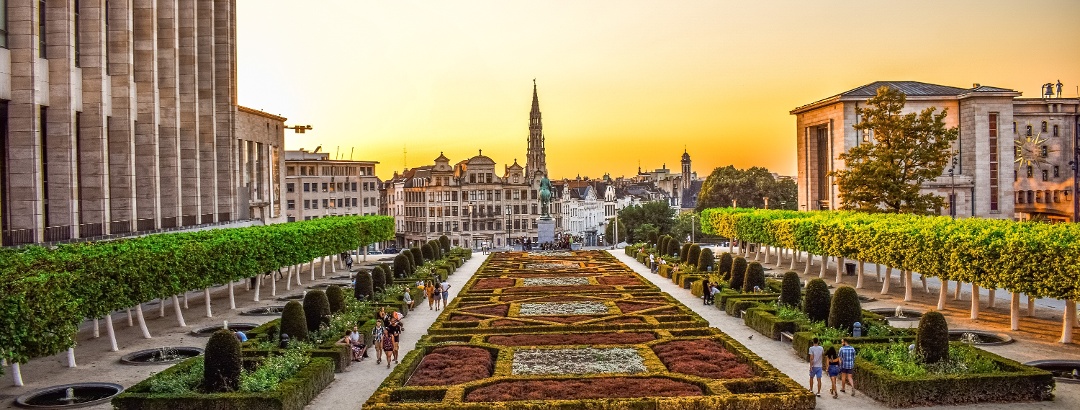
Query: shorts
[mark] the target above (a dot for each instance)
(834, 371)
(847, 371)
(378, 345)
(446, 295)
(815, 372)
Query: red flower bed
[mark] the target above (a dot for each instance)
(668, 311)
(506, 323)
(611, 338)
(623, 320)
(629, 307)
(452, 365)
(493, 283)
(493, 310)
(557, 289)
(562, 319)
(618, 280)
(703, 357)
(592, 388)
(464, 318)
(561, 299)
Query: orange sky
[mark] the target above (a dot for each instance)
(619, 81)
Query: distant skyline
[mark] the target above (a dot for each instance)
(620, 82)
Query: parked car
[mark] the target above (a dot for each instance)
(391, 250)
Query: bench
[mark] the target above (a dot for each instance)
(786, 337)
(742, 313)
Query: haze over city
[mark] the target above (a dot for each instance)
(620, 83)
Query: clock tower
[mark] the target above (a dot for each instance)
(536, 159)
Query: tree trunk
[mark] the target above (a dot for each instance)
(824, 266)
(925, 286)
(142, 321)
(959, 287)
(311, 267)
(859, 276)
(974, 301)
(322, 267)
(1030, 306)
(943, 294)
(206, 297)
(232, 297)
(839, 269)
(1069, 321)
(273, 283)
(992, 297)
(97, 329)
(1014, 311)
(888, 280)
(71, 357)
(16, 373)
(333, 264)
(179, 313)
(130, 321)
(907, 285)
(111, 332)
(161, 307)
(877, 269)
(809, 260)
(768, 253)
(185, 300)
(794, 258)
(258, 286)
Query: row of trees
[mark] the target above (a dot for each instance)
(747, 188)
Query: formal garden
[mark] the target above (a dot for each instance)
(898, 366)
(578, 330)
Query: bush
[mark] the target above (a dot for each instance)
(426, 251)
(791, 290)
(755, 278)
(692, 254)
(685, 249)
(363, 288)
(409, 261)
(672, 247)
(222, 366)
(388, 277)
(738, 272)
(335, 298)
(724, 267)
(706, 260)
(436, 249)
(817, 299)
(932, 339)
(417, 256)
(845, 309)
(401, 265)
(316, 310)
(445, 243)
(378, 279)
(662, 243)
(294, 321)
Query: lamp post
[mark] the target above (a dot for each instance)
(952, 188)
(508, 228)
(766, 202)
(692, 217)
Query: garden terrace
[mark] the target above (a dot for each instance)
(627, 347)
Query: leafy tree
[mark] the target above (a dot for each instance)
(817, 300)
(444, 243)
(845, 309)
(378, 279)
(364, 289)
(791, 290)
(294, 321)
(609, 233)
(316, 310)
(646, 233)
(336, 298)
(908, 150)
(655, 213)
(684, 223)
(221, 371)
(932, 340)
(748, 188)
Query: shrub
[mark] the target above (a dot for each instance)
(378, 279)
(724, 267)
(363, 288)
(436, 249)
(294, 321)
(932, 339)
(685, 249)
(705, 261)
(316, 309)
(417, 256)
(738, 272)
(672, 247)
(410, 262)
(222, 366)
(791, 290)
(388, 277)
(335, 298)
(445, 243)
(426, 251)
(755, 278)
(692, 254)
(816, 302)
(845, 309)
(401, 265)
(662, 243)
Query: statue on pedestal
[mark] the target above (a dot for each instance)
(545, 197)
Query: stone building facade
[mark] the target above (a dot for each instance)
(119, 117)
(1045, 183)
(317, 186)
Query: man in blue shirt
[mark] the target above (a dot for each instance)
(847, 366)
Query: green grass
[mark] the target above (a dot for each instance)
(902, 361)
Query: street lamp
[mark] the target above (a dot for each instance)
(692, 216)
(508, 228)
(952, 188)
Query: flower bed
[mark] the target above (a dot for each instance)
(492, 310)
(618, 280)
(452, 365)
(630, 307)
(703, 358)
(559, 289)
(563, 308)
(572, 339)
(493, 283)
(577, 361)
(564, 281)
(593, 388)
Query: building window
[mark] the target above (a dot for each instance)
(325, 187)
(3, 23)
(993, 120)
(307, 204)
(1056, 130)
(1020, 197)
(290, 204)
(290, 171)
(315, 203)
(339, 203)
(1038, 197)
(41, 29)
(1043, 151)
(1043, 126)
(1030, 171)
(1057, 171)
(1030, 197)
(292, 219)
(291, 187)
(1027, 130)
(1045, 175)
(354, 186)
(1056, 198)
(1014, 127)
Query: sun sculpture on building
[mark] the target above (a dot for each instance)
(1031, 151)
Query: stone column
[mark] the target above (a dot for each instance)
(93, 155)
(145, 73)
(169, 109)
(206, 133)
(121, 125)
(188, 106)
(24, 139)
(60, 207)
(224, 67)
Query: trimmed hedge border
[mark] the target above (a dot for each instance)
(1014, 382)
(763, 319)
(292, 394)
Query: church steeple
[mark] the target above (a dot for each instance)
(536, 159)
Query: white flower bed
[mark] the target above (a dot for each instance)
(562, 308)
(571, 281)
(578, 361)
(549, 265)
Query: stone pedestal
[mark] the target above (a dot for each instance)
(545, 230)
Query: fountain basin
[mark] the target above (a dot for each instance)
(866, 299)
(69, 396)
(979, 337)
(1065, 371)
(324, 286)
(162, 355)
(890, 314)
(209, 330)
(298, 296)
(341, 277)
(264, 311)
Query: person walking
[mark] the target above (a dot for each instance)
(706, 291)
(652, 263)
(816, 354)
(387, 345)
(445, 292)
(832, 362)
(847, 366)
(377, 340)
(429, 290)
(437, 293)
(394, 332)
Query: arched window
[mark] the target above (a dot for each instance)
(1044, 126)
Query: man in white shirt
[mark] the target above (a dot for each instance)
(816, 354)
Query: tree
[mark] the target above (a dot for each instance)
(683, 223)
(609, 233)
(748, 188)
(791, 290)
(655, 213)
(644, 232)
(845, 308)
(932, 340)
(908, 149)
(223, 364)
(817, 301)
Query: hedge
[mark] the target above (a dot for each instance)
(801, 342)
(763, 319)
(291, 394)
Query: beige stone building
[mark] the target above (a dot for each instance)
(993, 144)
(120, 116)
(317, 186)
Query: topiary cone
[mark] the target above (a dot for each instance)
(388, 277)
(816, 301)
(444, 241)
(683, 251)
(845, 308)
(417, 257)
(738, 273)
(378, 279)
(316, 309)
(673, 247)
(363, 289)
(401, 265)
(755, 278)
(932, 341)
(724, 266)
(427, 252)
(408, 258)
(335, 298)
(693, 254)
(222, 362)
(791, 290)
(294, 321)
(706, 260)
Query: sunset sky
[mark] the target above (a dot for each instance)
(620, 82)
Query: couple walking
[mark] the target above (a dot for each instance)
(840, 364)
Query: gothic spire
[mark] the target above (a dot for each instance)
(536, 159)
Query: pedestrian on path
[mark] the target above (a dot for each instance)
(706, 291)
(387, 345)
(816, 354)
(437, 293)
(713, 292)
(377, 340)
(445, 292)
(429, 290)
(652, 263)
(394, 332)
(847, 366)
(832, 362)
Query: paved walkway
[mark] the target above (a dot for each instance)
(353, 387)
(781, 355)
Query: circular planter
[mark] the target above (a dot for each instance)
(890, 314)
(979, 337)
(866, 299)
(324, 286)
(341, 277)
(264, 311)
(69, 396)
(209, 330)
(161, 355)
(1065, 371)
(298, 297)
